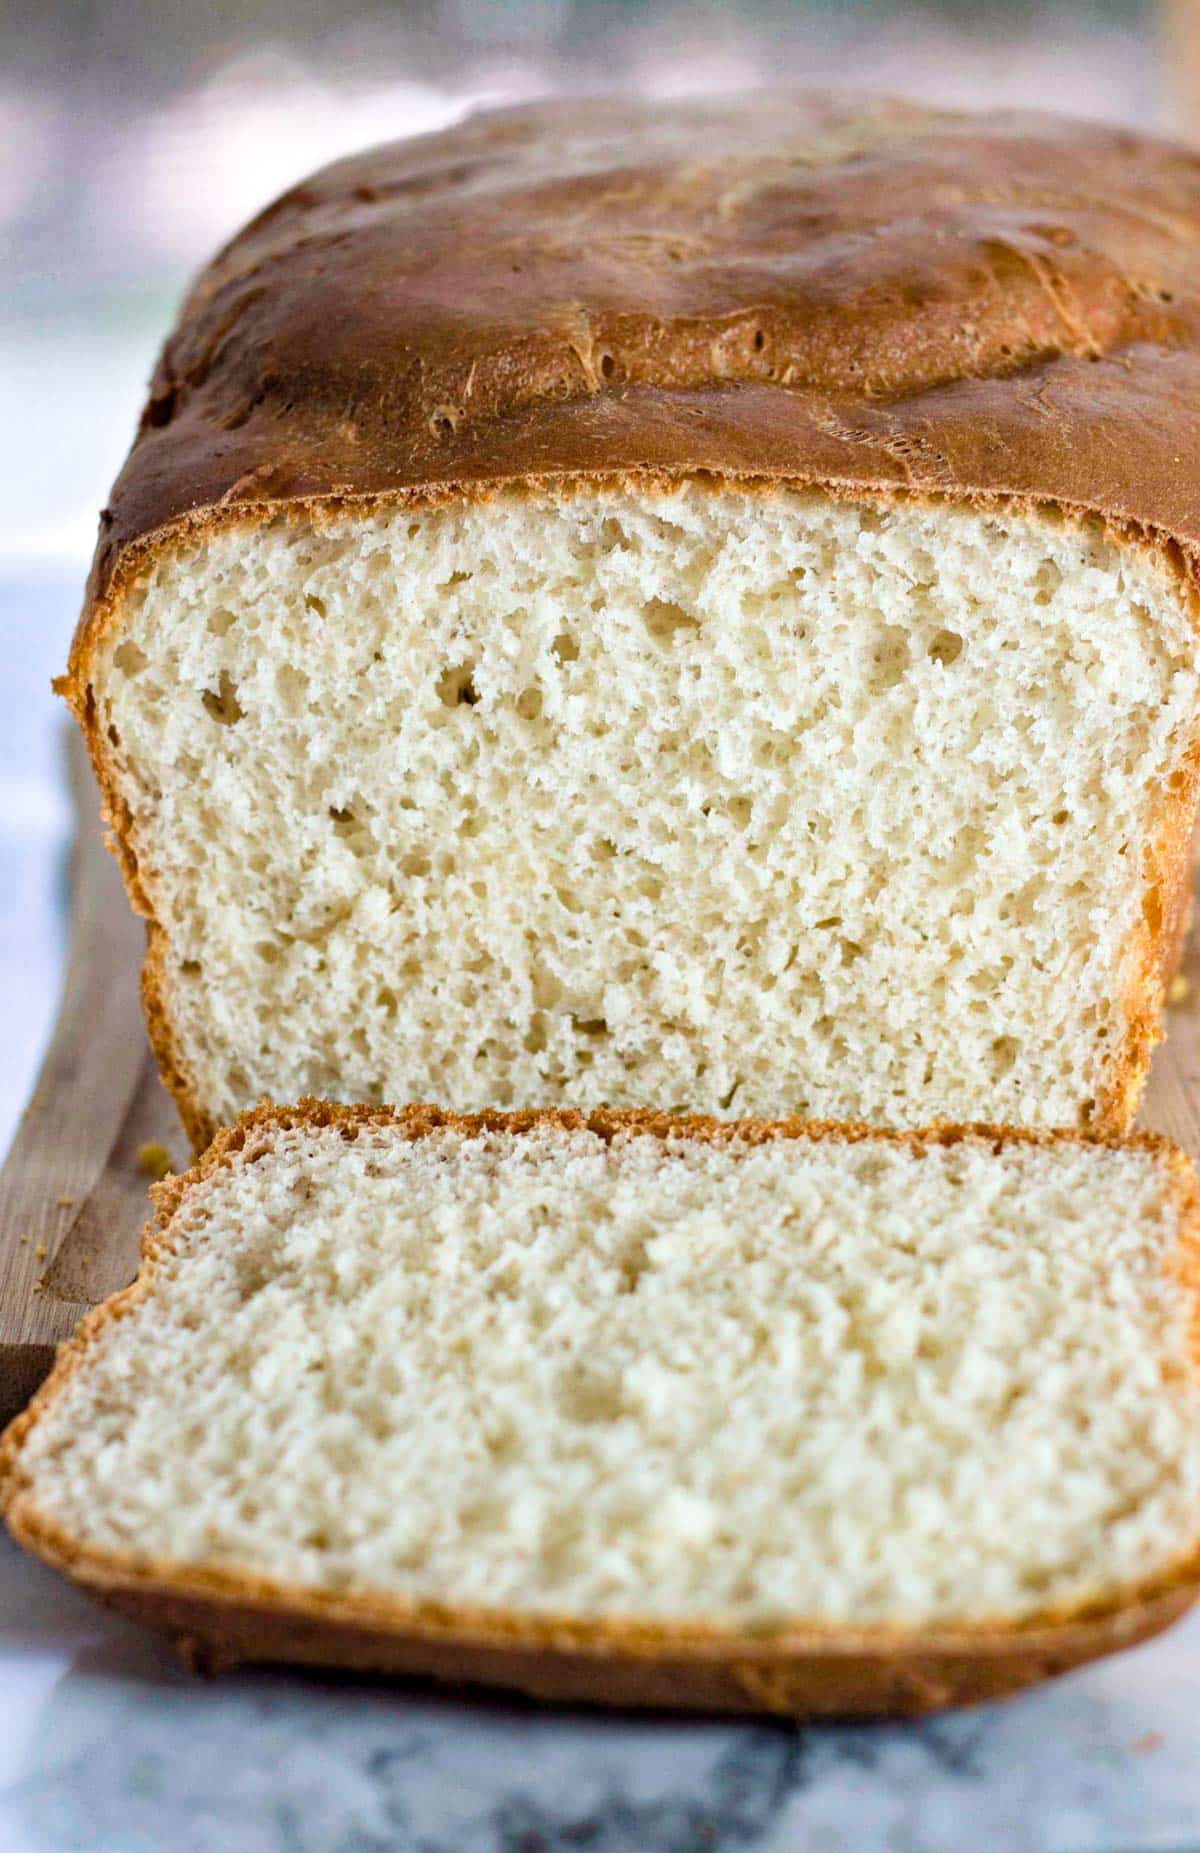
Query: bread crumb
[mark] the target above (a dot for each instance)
(1180, 987)
(154, 1160)
(698, 1278)
(666, 673)
(40, 1251)
(22, 1238)
(1152, 1740)
(65, 1203)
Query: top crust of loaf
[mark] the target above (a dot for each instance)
(867, 297)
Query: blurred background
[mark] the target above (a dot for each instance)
(135, 135)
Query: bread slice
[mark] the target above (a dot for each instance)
(649, 603)
(757, 1416)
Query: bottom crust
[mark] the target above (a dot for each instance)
(800, 1675)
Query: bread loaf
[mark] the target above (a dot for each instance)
(670, 603)
(745, 1415)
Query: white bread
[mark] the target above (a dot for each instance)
(670, 603)
(668, 1411)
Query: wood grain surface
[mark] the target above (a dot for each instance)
(73, 1198)
(73, 1195)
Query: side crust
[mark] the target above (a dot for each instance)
(220, 1618)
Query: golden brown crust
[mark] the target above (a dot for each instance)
(1166, 916)
(200, 1125)
(880, 301)
(220, 1617)
(783, 286)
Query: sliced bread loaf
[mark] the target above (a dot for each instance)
(652, 1410)
(662, 603)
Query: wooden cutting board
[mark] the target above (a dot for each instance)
(73, 1197)
(73, 1194)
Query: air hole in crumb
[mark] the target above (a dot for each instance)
(268, 951)
(415, 864)
(587, 1392)
(547, 991)
(535, 1038)
(114, 736)
(456, 688)
(664, 619)
(891, 657)
(727, 1099)
(344, 820)
(739, 811)
(1061, 817)
(315, 605)
(1005, 1048)
(129, 659)
(591, 1026)
(443, 420)
(387, 1000)
(291, 686)
(455, 579)
(529, 703)
(222, 703)
(190, 968)
(566, 648)
(946, 647)
(608, 366)
(760, 340)
(1047, 581)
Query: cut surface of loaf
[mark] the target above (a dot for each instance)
(675, 1398)
(741, 801)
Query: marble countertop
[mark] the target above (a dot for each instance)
(107, 1747)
